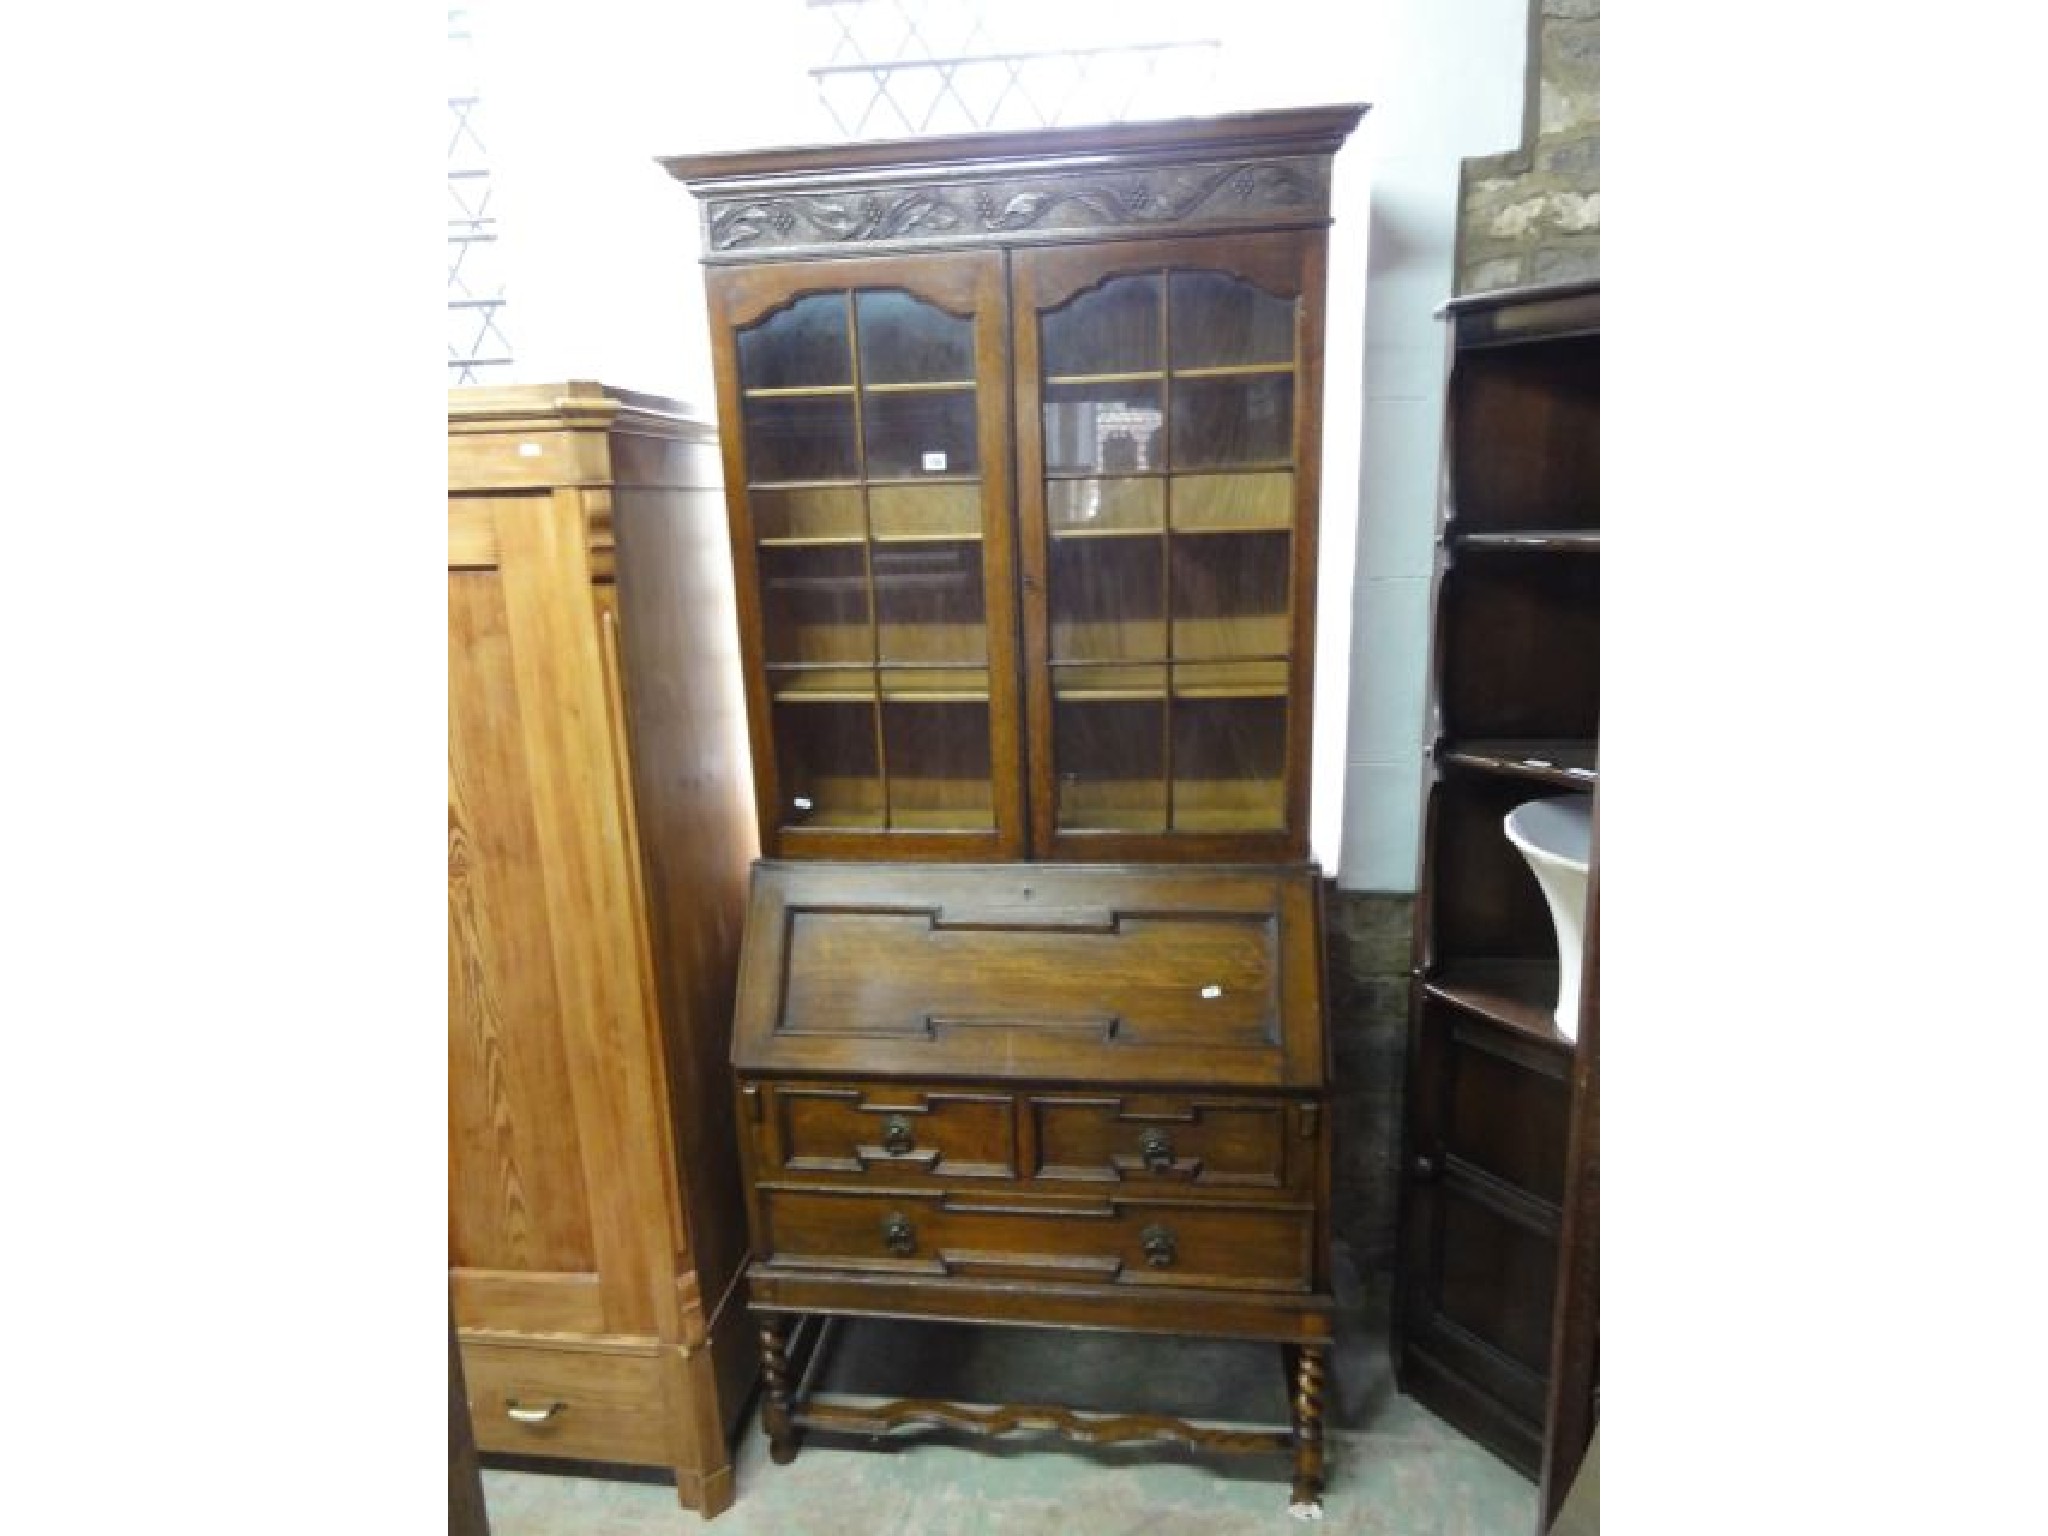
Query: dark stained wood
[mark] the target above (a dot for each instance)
(1573, 1412)
(1089, 1428)
(1305, 129)
(1514, 715)
(1203, 976)
(1291, 266)
(1084, 1092)
(967, 285)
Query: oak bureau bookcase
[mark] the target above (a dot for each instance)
(1021, 437)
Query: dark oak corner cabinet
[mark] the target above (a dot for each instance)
(1021, 440)
(1515, 708)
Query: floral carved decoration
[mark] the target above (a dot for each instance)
(1162, 197)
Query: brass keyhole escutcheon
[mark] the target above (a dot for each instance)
(898, 1234)
(897, 1137)
(1158, 1245)
(1156, 1147)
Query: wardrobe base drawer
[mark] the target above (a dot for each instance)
(596, 1405)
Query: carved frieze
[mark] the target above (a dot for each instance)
(964, 211)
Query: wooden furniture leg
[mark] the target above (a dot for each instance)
(1309, 1365)
(775, 1405)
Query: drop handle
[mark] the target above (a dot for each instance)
(897, 1137)
(1158, 1245)
(898, 1235)
(516, 1410)
(1156, 1147)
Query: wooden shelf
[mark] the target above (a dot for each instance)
(920, 387)
(1569, 763)
(800, 392)
(1516, 994)
(1236, 371)
(1563, 541)
(820, 541)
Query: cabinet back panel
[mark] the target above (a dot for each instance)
(1525, 437)
(1483, 901)
(1520, 646)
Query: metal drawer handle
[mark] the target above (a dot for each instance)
(1156, 1147)
(1158, 1244)
(899, 1234)
(515, 1410)
(897, 1137)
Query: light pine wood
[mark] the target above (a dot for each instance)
(598, 1405)
(588, 1005)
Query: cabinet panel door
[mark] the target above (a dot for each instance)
(866, 465)
(560, 1203)
(1168, 400)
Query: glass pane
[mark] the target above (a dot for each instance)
(929, 603)
(1229, 762)
(920, 434)
(939, 778)
(1110, 329)
(814, 605)
(830, 769)
(1233, 421)
(925, 511)
(820, 514)
(1077, 508)
(1221, 321)
(1230, 595)
(801, 438)
(799, 347)
(1207, 502)
(1109, 754)
(1102, 428)
(905, 340)
(1106, 600)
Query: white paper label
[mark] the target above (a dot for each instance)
(1212, 991)
(529, 450)
(935, 463)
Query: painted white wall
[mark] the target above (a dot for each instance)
(600, 257)
(1446, 82)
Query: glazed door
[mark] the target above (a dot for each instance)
(1168, 401)
(868, 485)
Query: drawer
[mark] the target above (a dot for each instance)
(882, 1130)
(1126, 1243)
(1198, 1142)
(554, 1401)
(1180, 977)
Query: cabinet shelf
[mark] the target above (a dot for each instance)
(1154, 375)
(1063, 534)
(1515, 994)
(1563, 541)
(1570, 763)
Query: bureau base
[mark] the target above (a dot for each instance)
(798, 1396)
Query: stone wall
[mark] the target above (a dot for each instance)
(1532, 215)
(1368, 941)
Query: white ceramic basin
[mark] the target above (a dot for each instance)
(1556, 838)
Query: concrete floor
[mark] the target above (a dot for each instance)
(1394, 1469)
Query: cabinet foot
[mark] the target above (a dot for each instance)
(775, 1406)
